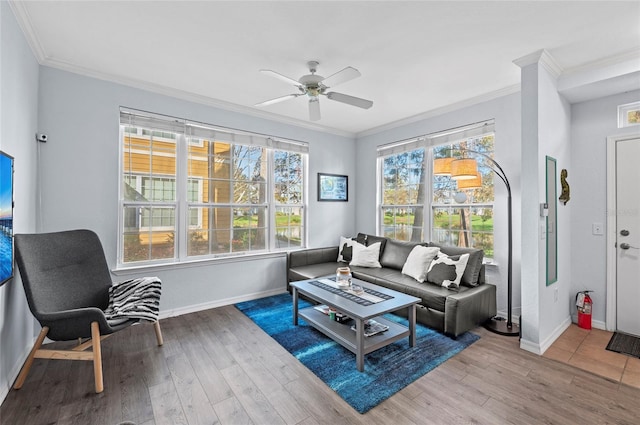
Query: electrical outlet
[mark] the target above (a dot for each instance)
(555, 295)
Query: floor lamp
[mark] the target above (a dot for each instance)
(466, 169)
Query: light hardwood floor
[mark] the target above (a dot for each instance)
(216, 366)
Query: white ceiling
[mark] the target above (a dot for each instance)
(414, 57)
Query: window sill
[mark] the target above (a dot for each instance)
(126, 270)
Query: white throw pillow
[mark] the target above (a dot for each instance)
(366, 256)
(418, 262)
(447, 270)
(344, 249)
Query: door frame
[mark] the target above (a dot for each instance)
(612, 251)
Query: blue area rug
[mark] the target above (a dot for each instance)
(387, 370)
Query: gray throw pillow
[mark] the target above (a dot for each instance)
(396, 253)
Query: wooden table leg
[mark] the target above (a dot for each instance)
(294, 294)
(412, 325)
(359, 345)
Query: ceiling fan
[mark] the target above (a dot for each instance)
(314, 85)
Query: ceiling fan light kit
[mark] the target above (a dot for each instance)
(315, 86)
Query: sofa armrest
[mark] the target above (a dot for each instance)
(310, 256)
(466, 310)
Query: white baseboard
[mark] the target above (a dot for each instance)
(515, 317)
(540, 348)
(218, 303)
(598, 324)
(13, 374)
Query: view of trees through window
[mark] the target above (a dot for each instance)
(238, 198)
(412, 200)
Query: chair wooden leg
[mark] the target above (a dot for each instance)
(27, 364)
(156, 325)
(97, 356)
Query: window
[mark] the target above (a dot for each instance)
(191, 190)
(416, 205)
(629, 114)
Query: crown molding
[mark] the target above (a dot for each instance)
(24, 22)
(543, 57)
(515, 88)
(192, 97)
(617, 59)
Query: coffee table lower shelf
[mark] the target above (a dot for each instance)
(345, 336)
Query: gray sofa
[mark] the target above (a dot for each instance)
(450, 311)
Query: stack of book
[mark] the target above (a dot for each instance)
(371, 327)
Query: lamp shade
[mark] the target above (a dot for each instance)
(464, 169)
(442, 166)
(474, 183)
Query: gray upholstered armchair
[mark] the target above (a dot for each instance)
(67, 283)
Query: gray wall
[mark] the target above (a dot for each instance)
(18, 124)
(591, 123)
(80, 185)
(506, 112)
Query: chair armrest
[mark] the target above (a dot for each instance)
(72, 324)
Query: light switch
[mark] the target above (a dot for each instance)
(596, 229)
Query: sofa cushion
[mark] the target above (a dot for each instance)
(312, 271)
(396, 253)
(472, 272)
(447, 270)
(418, 261)
(366, 256)
(433, 296)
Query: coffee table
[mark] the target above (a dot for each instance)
(380, 300)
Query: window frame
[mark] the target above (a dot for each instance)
(182, 204)
(623, 114)
(429, 143)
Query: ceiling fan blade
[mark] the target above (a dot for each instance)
(281, 77)
(350, 100)
(278, 99)
(340, 77)
(314, 109)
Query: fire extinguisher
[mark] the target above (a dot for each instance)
(584, 304)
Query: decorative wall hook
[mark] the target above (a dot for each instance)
(566, 190)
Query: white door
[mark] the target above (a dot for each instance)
(628, 235)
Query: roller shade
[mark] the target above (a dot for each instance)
(133, 118)
(441, 138)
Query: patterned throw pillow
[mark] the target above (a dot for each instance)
(345, 251)
(447, 270)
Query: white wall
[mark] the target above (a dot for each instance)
(546, 118)
(506, 112)
(592, 122)
(554, 141)
(80, 161)
(18, 125)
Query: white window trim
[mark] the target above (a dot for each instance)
(182, 226)
(427, 142)
(623, 111)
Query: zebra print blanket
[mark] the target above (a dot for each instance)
(134, 299)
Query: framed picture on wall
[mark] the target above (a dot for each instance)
(333, 187)
(6, 217)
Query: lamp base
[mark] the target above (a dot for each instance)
(499, 326)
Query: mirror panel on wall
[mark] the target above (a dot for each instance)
(552, 221)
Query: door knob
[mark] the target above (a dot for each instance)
(625, 245)
(624, 232)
